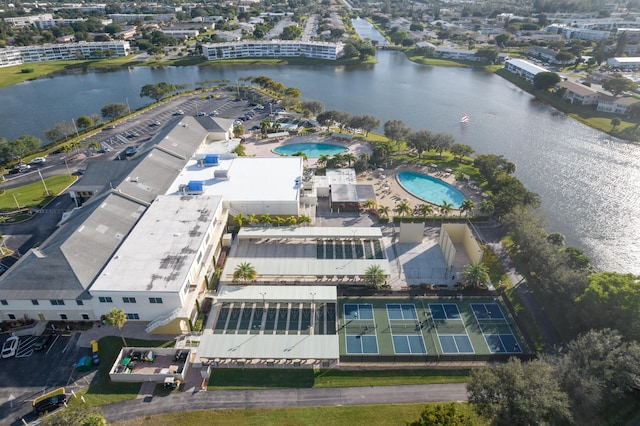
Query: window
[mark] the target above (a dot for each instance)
(57, 302)
(11, 316)
(85, 316)
(3, 302)
(35, 302)
(105, 299)
(199, 259)
(63, 316)
(133, 316)
(155, 300)
(80, 302)
(129, 299)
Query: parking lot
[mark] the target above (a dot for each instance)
(142, 127)
(31, 373)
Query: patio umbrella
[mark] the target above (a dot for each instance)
(380, 169)
(435, 166)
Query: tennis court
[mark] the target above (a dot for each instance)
(484, 311)
(432, 326)
(403, 311)
(358, 311)
(442, 311)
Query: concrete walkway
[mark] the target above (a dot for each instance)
(284, 398)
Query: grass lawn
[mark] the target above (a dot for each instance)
(33, 194)
(306, 378)
(103, 391)
(391, 414)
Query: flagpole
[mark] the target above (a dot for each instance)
(43, 184)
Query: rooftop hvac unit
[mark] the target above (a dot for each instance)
(222, 174)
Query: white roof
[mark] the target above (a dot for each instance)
(250, 178)
(259, 346)
(160, 250)
(290, 267)
(268, 293)
(311, 232)
(527, 66)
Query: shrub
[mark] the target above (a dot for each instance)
(27, 70)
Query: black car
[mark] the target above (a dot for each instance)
(132, 150)
(49, 404)
(44, 342)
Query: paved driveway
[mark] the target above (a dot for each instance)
(283, 398)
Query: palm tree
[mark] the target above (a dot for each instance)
(384, 211)
(374, 276)
(117, 318)
(253, 219)
(292, 220)
(301, 154)
(339, 159)
(425, 210)
(279, 220)
(303, 218)
(239, 219)
(322, 160)
(95, 145)
(266, 219)
(487, 207)
(476, 274)
(265, 125)
(467, 206)
(244, 272)
(403, 208)
(445, 208)
(349, 157)
(370, 204)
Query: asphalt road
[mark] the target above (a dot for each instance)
(284, 398)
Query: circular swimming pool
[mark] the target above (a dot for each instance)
(430, 189)
(311, 150)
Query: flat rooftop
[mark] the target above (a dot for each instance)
(258, 346)
(250, 178)
(162, 247)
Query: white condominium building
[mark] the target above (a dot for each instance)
(61, 52)
(273, 49)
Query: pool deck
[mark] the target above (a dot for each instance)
(388, 191)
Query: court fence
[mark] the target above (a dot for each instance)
(361, 358)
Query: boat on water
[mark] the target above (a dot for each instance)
(464, 119)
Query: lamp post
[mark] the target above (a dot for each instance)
(263, 294)
(43, 184)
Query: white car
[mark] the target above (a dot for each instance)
(38, 160)
(10, 346)
(179, 112)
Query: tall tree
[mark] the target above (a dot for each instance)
(420, 141)
(619, 85)
(24, 145)
(111, 111)
(396, 130)
(519, 394)
(476, 274)
(117, 318)
(545, 80)
(157, 91)
(403, 208)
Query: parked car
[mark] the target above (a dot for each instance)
(80, 172)
(37, 161)
(179, 112)
(201, 114)
(110, 127)
(213, 113)
(131, 150)
(43, 342)
(10, 346)
(154, 123)
(50, 404)
(103, 150)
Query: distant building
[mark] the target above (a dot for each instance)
(25, 21)
(461, 54)
(61, 52)
(624, 63)
(580, 94)
(615, 105)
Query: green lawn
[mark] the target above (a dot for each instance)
(34, 194)
(103, 391)
(367, 415)
(307, 378)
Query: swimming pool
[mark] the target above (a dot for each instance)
(430, 189)
(311, 150)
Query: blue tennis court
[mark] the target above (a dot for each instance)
(487, 311)
(354, 311)
(455, 344)
(502, 343)
(362, 344)
(409, 345)
(402, 312)
(441, 311)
